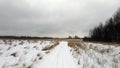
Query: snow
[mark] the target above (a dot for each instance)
(59, 58)
(21, 54)
(91, 55)
(29, 54)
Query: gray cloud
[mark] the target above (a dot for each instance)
(53, 17)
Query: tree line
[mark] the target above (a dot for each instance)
(24, 37)
(109, 32)
(75, 37)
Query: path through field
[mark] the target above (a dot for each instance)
(60, 57)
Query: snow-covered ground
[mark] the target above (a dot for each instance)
(91, 55)
(21, 54)
(30, 54)
(59, 58)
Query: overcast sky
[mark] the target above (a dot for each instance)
(56, 18)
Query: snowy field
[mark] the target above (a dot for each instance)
(57, 54)
(22, 54)
(91, 55)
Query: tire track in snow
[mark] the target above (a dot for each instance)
(58, 58)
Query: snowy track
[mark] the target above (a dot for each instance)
(60, 57)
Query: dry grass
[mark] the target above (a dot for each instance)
(104, 43)
(51, 46)
(75, 43)
(8, 41)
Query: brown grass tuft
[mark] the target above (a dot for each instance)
(51, 46)
(75, 43)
